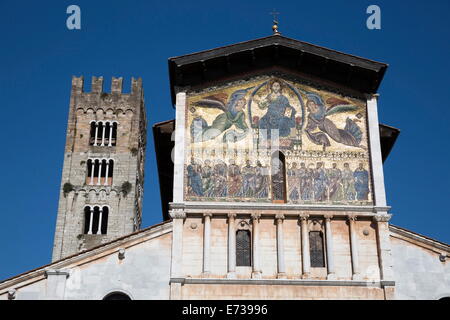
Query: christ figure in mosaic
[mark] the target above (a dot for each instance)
(280, 114)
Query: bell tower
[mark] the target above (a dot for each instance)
(103, 172)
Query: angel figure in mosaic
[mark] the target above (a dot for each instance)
(233, 115)
(350, 135)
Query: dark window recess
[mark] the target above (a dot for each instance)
(316, 249)
(99, 224)
(103, 134)
(278, 175)
(117, 296)
(243, 248)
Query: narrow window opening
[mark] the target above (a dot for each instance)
(107, 133)
(243, 248)
(95, 220)
(92, 135)
(114, 133)
(316, 249)
(110, 172)
(87, 219)
(104, 226)
(278, 177)
(99, 133)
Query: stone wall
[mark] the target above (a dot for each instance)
(142, 272)
(421, 267)
(125, 210)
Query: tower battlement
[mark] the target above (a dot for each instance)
(97, 86)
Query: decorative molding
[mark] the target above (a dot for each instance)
(382, 217)
(232, 215)
(303, 217)
(177, 214)
(55, 272)
(295, 282)
(286, 208)
(256, 216)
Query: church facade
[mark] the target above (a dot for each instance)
(271, 179)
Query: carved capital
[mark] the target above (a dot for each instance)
(352, 218)
(231, 216)
(256, 216)
(303, 217)
(279, 217)
(328, 217)
(177, 214)
(207, 214)
(382, 217)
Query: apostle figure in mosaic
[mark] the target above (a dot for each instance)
(351, 135)
(220, 180)
(361, 182)
(261, 181)
(293, 182)
(248, 180)
(194, 178)
(348, 183)
(306, 181)
(334, 176)
(320, 183)
(234, 179)
(233, 115)
(280, 114)
(207, 179)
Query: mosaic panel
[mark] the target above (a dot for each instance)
(232, 133)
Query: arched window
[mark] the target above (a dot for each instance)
(103, 133)
(114, 134)
(316, 249)
(278, 177)
(100, 172)
(243, 248)
(96, 220)
(92, 135)
(117, 296)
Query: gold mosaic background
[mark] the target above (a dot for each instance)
(233, 131)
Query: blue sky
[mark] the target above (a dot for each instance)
(39, 55)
